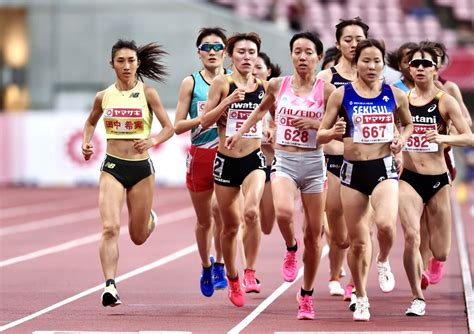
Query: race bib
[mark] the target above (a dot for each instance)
(287, 134)
(418, 142)
(124, 121)
(373, 128)
(235, 120)
(200, 111)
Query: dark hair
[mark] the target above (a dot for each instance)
(275, 70)
(437, 46)
(355, 21)
(425, 49)
(331, 54)
(395, 57)
(367, 43)
(250, 36)
(312, 37)
(149, 57)
(204, 32)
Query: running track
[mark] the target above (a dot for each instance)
(51, 281)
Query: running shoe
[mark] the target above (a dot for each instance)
(348, 292)
(352, 304)
(417, 308)
(110, 296)
(386, 278)
(290, 265)
(305, 309)
(335, 288)
(206, 282)
(436, 270)
(361, 312)
(218, 276)
(250, 282)
(235, 293)
(153, 221)
(425, 280)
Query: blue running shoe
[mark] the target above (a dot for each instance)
(207, 285)
(219, 277)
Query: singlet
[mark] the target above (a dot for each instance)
(290, 106)
(207, 138)
(401, 85)
(234, 117)
(426, 117)
(337, 79)
(369, 120)
(126, 113)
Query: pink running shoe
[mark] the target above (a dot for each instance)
(250, 282)
(305, 310)
(436, 270)
(290, 265)
(235, 293)
(425, 280)
(348, 292)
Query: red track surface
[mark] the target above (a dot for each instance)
(167, 298)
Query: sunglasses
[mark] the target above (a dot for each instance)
(423, 62)
(207, 47)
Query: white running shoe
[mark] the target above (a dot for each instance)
(335, 288)
(417, 308)
(110, 296)
(386, 278)
(361, 312)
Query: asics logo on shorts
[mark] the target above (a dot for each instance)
(436, 185)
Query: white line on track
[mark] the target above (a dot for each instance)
(51, 222)
(82, 332)
(162, 220)
(270, 299)
(39, 207)
(130, 274)
(464, 262)
(378, 332)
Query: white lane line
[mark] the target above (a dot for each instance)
(270, 299)
(130, 274)
(51, 222)
(464, 262)
(52, 204)
(371, 332)
(162, 220)
(59, 220)
(85, 332)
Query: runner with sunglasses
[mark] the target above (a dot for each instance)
(193, 93)
(433, 269)
(425, 181)
(299, 165)
(242, 170)
(363, 112)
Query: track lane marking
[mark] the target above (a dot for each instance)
(270, 299)
(162, 220)
(464, 262)
(130, 274)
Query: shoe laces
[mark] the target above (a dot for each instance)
(306, 304)
(436, 265)
(249, 277)
(235, 287)
(417, 304)
(362, 305)
(290, 259)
